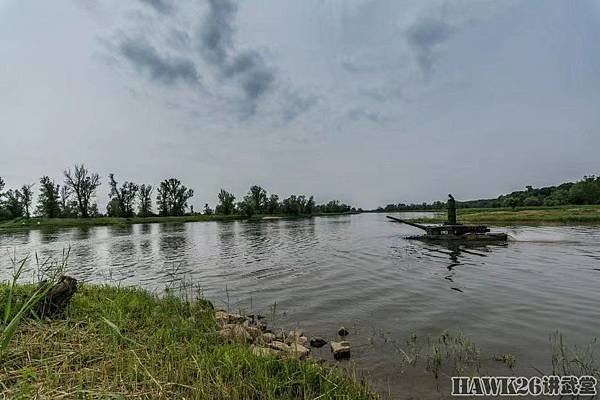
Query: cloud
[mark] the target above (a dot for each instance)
(163, 69)
(354, 67)
(357, 114)
(216, 34)
(295, 103)
(424, 37)
(248, 68)
(161, 6)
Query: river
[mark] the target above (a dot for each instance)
(360, 272)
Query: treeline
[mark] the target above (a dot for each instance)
(74, 198)
(583, 192)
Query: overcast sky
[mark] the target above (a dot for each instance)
(370, 102)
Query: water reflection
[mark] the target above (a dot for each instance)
(459, 253)
(48, 235)
(145, 229)
(327, 272)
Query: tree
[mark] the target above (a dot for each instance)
(4, 214)
(512, 202)
(124, 196)
(13, 203)
(335, 206)
(27, 198)
(257, 198)
(113, 208)
(48, 205)
(207, 210)
(83, 184)
(272, 204)
(532, 201)
(246, 207)
(226, 203)
(68, 206)
(145, 200)
(290, 205)
(301, 204)
(310, 205)
(173, 197)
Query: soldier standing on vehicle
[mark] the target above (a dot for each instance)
(451, 210)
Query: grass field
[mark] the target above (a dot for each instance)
(34, 223)
(127, 343)
(537, 215)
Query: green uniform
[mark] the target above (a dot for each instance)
(451, 210)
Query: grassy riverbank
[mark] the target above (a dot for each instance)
(34, 223)
(122, 342)
(524, 215)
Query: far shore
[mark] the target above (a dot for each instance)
(570, 214)
(36, 223)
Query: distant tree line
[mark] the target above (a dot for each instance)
(74, 198)
(585, 191)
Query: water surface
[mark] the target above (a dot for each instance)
(360, 272)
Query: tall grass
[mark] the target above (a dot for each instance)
(12, 319)
(129, 343)
(574, 360)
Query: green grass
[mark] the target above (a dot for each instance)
(525, 215)
(34, 223)
(128, 343)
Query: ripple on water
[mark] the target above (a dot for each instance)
(356, 271)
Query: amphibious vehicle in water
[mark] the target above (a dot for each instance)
(452, 230)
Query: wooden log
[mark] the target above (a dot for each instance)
(58, 298)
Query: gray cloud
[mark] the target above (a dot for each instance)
(216, 34)
(296, 103)
(163, 69)
(354, 67)
(357, 114)
(329, 151)
(247, 67)
(161, 6)
(424, 37)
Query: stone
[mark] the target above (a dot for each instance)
(262, 326)
(256, 317)
(340, 349)
(263, 351)
(226, 333)
(293, 336)
(299, 351)
(224, 317)
(235, 318)
(237, 333)
(303, 340)
(343, 332)
(277, 345)
(317, 341)
(253, 331)
(221, 317)
(296, 333)
(267, 337)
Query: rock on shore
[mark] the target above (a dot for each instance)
(340, 349)
(237, 328)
